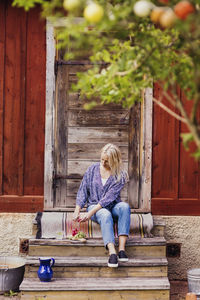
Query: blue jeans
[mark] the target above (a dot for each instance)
(120, 213)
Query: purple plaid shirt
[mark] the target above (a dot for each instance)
(92, 191)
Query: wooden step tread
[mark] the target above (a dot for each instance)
(135, 241)
(99, 261)
(78, 284)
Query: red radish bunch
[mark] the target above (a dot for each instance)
(74, 231)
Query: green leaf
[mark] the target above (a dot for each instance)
(27, 4)
(90, 105)
(187, 138)
(196, 154)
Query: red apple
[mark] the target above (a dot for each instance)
(183, 9)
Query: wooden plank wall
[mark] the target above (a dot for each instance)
(22, 109)
(175, 174)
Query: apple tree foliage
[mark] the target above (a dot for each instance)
(130, 52)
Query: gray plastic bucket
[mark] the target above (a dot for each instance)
(193, 276)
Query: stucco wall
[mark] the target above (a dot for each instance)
(12, 227)
(184, 230)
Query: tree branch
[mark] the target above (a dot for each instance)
(185, 118)
(169, 98)
(194, 108)
(190, 124)
(136, 65)
(168, 110)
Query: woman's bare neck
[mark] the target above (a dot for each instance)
(105, 173)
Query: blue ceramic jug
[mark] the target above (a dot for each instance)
(45, 272)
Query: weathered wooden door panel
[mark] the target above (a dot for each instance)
(98, 135)
(80, 135)
(92, 118)
(80, 151)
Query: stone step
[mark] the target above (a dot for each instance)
(135, 247)
(66, 267)
(158, 226)
(137, 288)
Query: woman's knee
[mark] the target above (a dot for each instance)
(104, 215)
(124, 207)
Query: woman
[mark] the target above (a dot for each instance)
(100, 189)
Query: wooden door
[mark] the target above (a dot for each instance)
(80, 135)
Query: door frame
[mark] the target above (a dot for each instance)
(145, 136)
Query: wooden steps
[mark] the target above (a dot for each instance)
(81, 272)
(97, 288)
(136, 247)
(66, 267)
(96, 284)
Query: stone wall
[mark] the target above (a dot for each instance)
(14, 226)
(184, 230)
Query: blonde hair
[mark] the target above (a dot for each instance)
(114, 160)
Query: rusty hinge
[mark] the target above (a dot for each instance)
(54, 186)
(61, 62)
(63, 176)
(56, 67)
(73, 62)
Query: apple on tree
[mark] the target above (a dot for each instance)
(71, 5)
(142, 8)
(168, 18)
(183, 8)
(156, 14)
(93, 13)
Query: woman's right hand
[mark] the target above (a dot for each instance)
(76, 214)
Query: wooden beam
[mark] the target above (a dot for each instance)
(2, 77)
(133, 156)
(21, 204)
(61, 133)
(22, 100)
(49, 118)
(146, 150)
(175, 207)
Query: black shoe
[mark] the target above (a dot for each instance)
(113, 261)
(122, 256)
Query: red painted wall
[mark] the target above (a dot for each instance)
(175, 173)
(22, 109)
